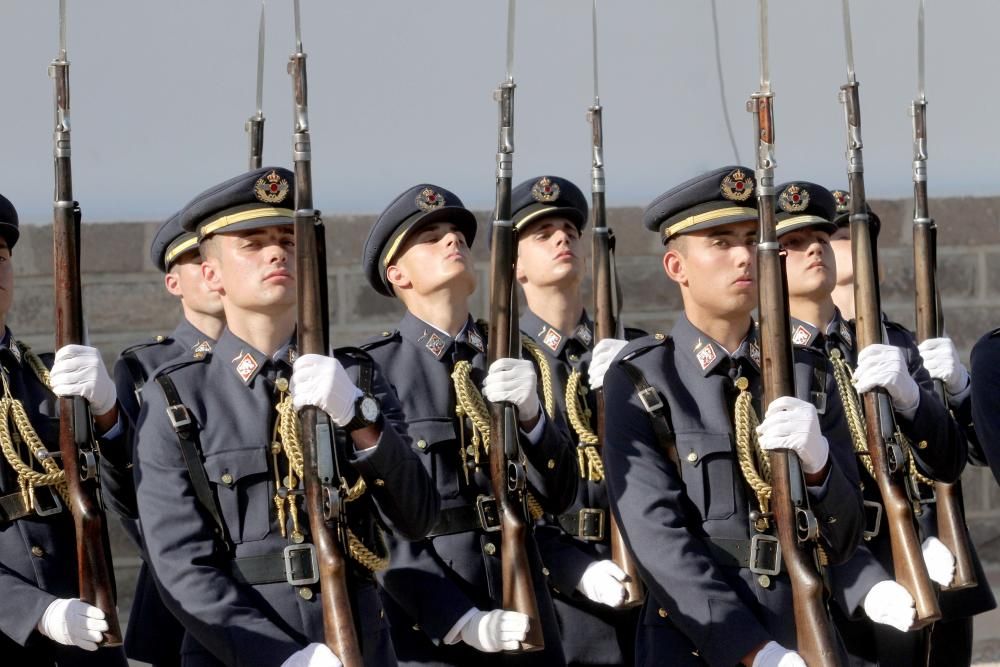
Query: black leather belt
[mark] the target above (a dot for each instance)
(13, 507)
(761, 554)
(296, 565)
(586, 524)
(484, 515)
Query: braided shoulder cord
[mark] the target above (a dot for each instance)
(544, 374)
(753, 461)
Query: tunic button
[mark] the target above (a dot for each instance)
(545, 571)
(658, 336)
(386, 334)
(692, 457)
(227, 479)
(421, 444)
(199, 355)
(662, 612)
(573, 357)
(306, 593)
(281, 384)
(764, 580)
(490, 549)
(922, 444)
(159, 339)
(551, 464)
(380, 482)
(37, 551)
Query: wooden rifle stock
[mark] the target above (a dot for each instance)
(507, 468)
(950, 521)
(76, 440)
(321, 471)
(605, 321)
(795, 523)
(887, 457)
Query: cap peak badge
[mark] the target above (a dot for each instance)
(271, 188)
(545, 190)
(794, 199)
(843, 199)
(737, 185)
(428, 200)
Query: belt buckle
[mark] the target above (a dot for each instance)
(54, 504)
(773, 547)
(586, 520)
(178, 416)
(868, 534)
(488, 513)
(290, 551)
(650, 399)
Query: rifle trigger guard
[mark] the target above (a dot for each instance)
(515, 477)
(806, 525)
(88, 465)
(333, 503)
(894, 457)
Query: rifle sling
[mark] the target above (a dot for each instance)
(136, 372)
(187, 438)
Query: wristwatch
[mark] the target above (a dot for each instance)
(367, 412)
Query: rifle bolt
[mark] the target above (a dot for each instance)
(37, 551)
(764, 581)
(490, 549)
(305, 593)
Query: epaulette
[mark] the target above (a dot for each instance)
(631, 333)
(377, 340)
(158, 340)
(640, 346)
(353, 352)
(892, 324)
(168, 368)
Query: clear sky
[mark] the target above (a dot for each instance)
(400, 92)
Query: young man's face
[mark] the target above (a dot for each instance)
(434, 256)
(6, 278)
(548, 253)
(810, 263)
(254, 269)
(186, 281)
(840, 241)
(716, 268)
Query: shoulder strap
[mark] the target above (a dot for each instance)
(658, 411)
(187, 437)
(136, 371)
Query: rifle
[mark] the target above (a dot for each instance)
(507, 466)
(885, 448)
(255, 124)
(951, 523)
(796, 524)
(606, 308)
(324, 493)
(76, 439)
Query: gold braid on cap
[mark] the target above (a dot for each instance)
(12, 410)
(469, 402)
(753, 461)
(287, 433)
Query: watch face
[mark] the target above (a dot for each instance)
(369, 409)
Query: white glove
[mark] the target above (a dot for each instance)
(793, 424)
(497, 630)
(942, 362)
(73, 622)
(884, 366)
(513, 381)
(78, 370)
(604, 353)
(775, 655)
(321, 381)
(314, 655)
(603, 582)
(939, 560)
(889, 603)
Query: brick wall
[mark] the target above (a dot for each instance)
(125, 302)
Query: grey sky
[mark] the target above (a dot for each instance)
(400, 92)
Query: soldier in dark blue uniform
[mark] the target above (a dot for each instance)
(985, 397)
(444, 592)
(588, 592)
(218, 468)
(682, 454)
(153, 634)
(935, 424)
(41, 621)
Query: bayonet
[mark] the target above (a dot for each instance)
(255, 124)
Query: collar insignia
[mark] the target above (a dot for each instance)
(800, 336)
(545, 190)
(845, 333)
(737, 186)
(435, 344)
(476, 341)
(794, 199)
(755, 353)
(843, 200)
(202, 346)
(15, 349)
(271, 188)
(246, 366)
(552, 339)
(706, 356)
(428, 200)
(583, 334)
